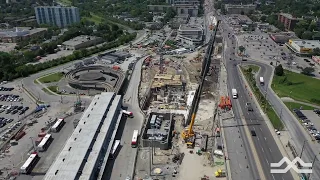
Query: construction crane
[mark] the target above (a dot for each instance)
(188, 134)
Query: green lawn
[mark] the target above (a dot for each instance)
(265, 105)
(253, 67)
(94, 18)
(294, 105)
(297, 86)
(54, 89)
(46, 91)
(51, 78)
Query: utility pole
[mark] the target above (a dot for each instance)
(314, 160)
(304, 143)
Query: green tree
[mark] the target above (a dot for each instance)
(313, 26)
(299, 31)
(316, 52)
(279, 70)
(242, 49)
(263, 18)
(307, 35)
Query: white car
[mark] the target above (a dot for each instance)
(294, 63)
(128, 178)
(277, 131)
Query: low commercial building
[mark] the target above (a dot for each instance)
(122, 55)
(20, 33)
(288, 20)
(303, 47)
(190, 34)
(158, 131)
(108, 59)
(239, 9)
(82, 42)
(86, 152)
(158, 8)
(282, 38)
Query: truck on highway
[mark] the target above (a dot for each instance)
(127, 113)
(261, 81)
(234, 94)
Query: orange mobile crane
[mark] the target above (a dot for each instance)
(188, 134)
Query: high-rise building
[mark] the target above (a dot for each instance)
(288, 20)
(57, 15)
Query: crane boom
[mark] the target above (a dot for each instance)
(205, 68)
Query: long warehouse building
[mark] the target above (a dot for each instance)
(89, 146)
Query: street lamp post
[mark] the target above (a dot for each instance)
(304, 143)
(314, 160)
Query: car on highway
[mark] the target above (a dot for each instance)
(249, 107)
(253, 133)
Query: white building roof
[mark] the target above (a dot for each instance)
(89, 131)
(307, 43)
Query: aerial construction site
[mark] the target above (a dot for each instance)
(181, 134)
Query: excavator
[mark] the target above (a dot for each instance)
(188, 134)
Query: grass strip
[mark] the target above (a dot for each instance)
(265, 105)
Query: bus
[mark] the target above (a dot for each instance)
(134, 142)
(29, 164)
(115, 149)
(45, 143)
(58, 125)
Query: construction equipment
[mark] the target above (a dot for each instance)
(188, 134)
(220, 173)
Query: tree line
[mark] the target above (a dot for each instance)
(13, 66)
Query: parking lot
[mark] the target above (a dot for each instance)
(311, 121)
(260, 46)
(14, 105)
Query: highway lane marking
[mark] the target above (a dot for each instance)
(260, 128)
(258, 138)
(270, 150)
(265, 138)
(262, 149)
(273, 176)
(267, 160)
(282, 178)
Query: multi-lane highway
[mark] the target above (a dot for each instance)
(295, 129)
(264, 143)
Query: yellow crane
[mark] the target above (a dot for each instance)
(188, 134)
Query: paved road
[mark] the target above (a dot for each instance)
(296, 131)
(123, 165)
(264, 143)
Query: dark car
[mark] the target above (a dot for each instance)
(249, 107)
(253, 133)
(14, 111)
